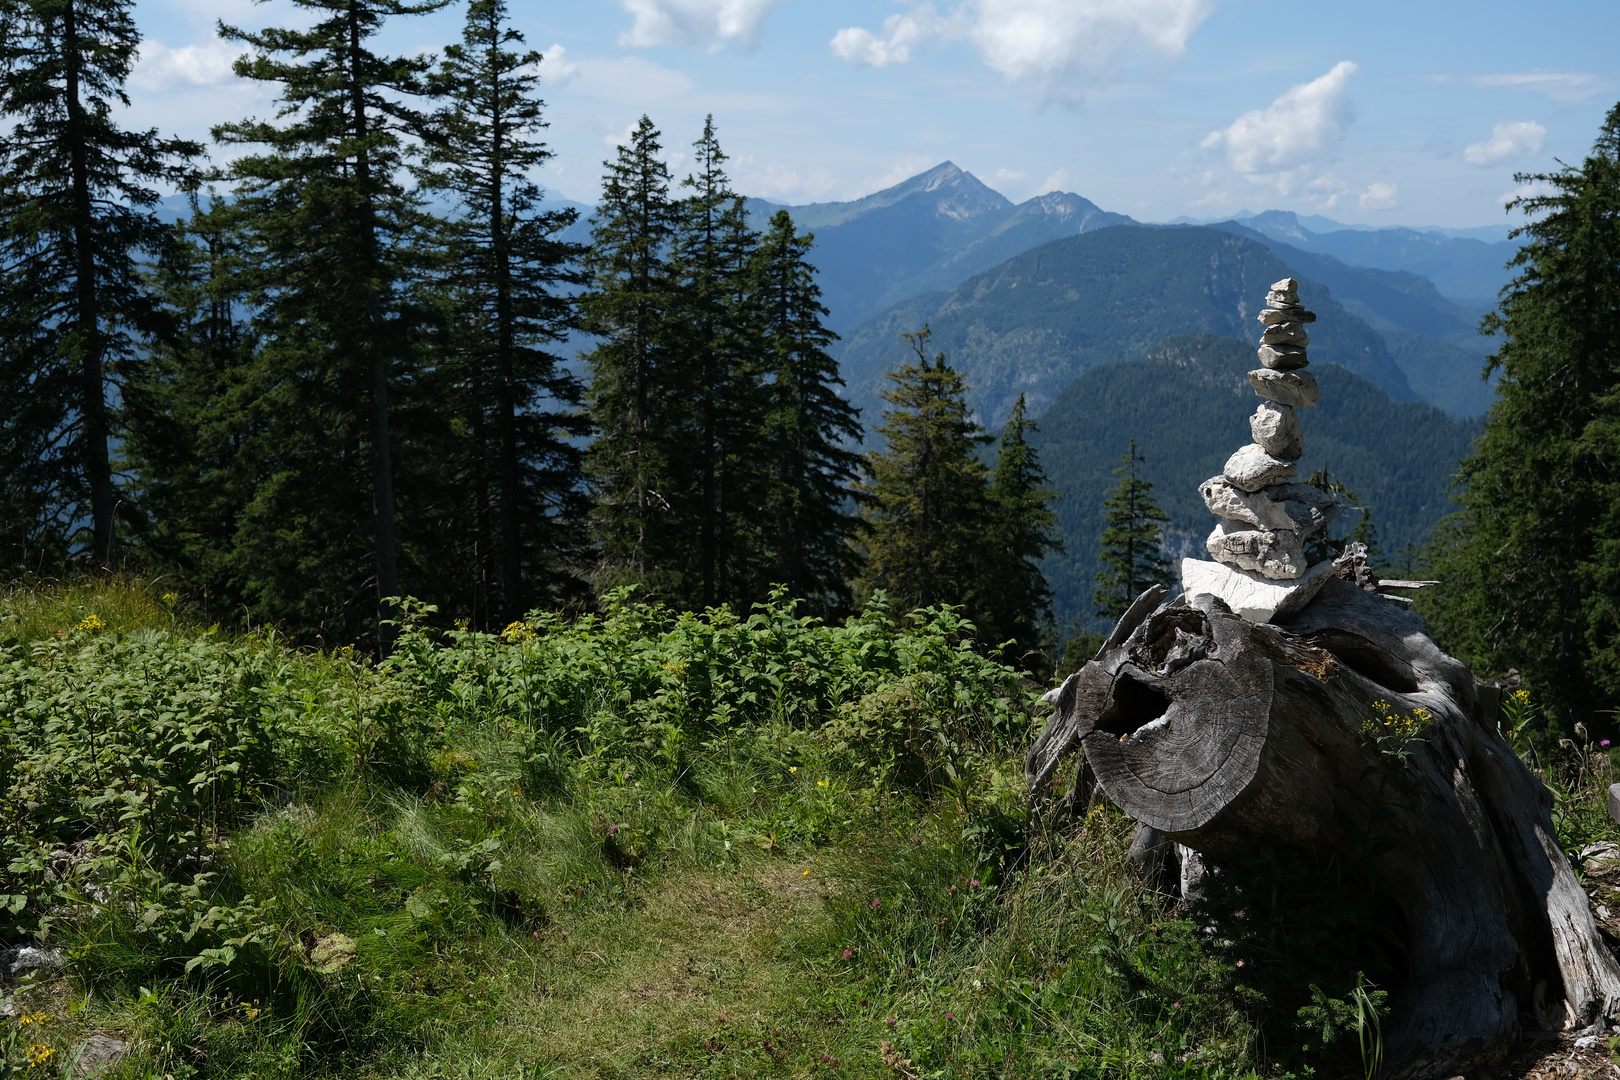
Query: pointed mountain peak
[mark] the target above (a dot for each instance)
(961, 194)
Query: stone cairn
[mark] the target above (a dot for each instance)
(1260, 568)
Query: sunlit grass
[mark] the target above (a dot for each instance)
(114, 605)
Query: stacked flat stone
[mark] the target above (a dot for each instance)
(1265, 514)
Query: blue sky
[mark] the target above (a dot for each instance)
(1368, 112)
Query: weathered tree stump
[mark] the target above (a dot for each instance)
(1223, 734)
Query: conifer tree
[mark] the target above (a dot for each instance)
(507, 272)
(636, 373)
(715, 346)
(1013, 595)
(1531, 563)
(76, 198)
(927, 504)
(809, 430)
(330, 263)
(1131, 560)
(184, 414)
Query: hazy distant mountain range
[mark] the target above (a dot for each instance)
(885, 258)
(1462, 267)
(930, 232)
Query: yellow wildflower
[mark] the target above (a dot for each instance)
(39, 1053)
(90, 622)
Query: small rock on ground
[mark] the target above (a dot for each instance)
(99, 1053)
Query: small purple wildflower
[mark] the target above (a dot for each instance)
(877, 903)
(974, 884)
(950, 1016)
(889, 1022)
(848, 953)
(951, 889)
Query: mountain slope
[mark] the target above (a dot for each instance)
(1187, 403)
(1036, 321)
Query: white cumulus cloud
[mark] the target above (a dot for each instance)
(860, 47)
(1509, 139)
(1064, 48)
(161, 68)
(695, 22)
(1380, 197)
(1282, 143)
(556, 68)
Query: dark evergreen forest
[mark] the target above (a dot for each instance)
(340, 380)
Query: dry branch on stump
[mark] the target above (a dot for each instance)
(1224, 735)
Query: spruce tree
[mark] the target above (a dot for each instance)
(809, 429)
(643, 503)
(716, 369)
(1013, 595)
(76, 198)
(331, 262)
(927, 504)
(184, 418)
(507, 274)
(1131, 559)
(1531, 563)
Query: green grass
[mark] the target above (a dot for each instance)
(636, 845)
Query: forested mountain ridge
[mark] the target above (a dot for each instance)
(1039, 319)
(1186, 402)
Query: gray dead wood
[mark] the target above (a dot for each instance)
(1220, 735)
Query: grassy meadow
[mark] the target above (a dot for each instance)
(631, 844)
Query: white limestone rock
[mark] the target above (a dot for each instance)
(1300, 508)
(1275, 554)
(1254, 597)
(1251, 469)
(1287, 284)
(1276, 430)
(1296, 388)
(1283, 357)
(1305, 504)
(1276, 315)
(1285, 333)
(1282, 299)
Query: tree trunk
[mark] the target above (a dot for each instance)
(1222, 735)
